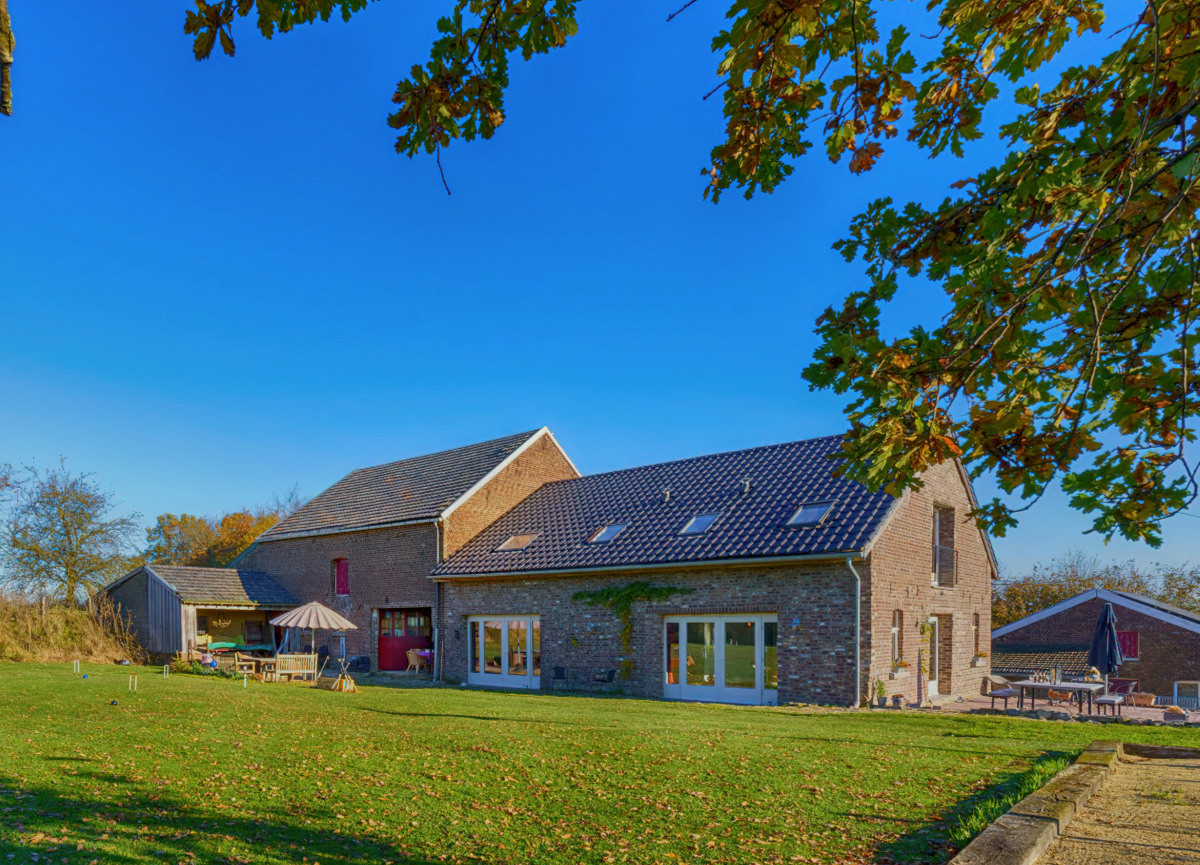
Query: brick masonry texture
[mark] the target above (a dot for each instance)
(816, 654)
(389, 567)
(1166, 653)
(814, 602)
(541, 463)
(899, 569)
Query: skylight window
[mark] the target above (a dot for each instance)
(517, 542)
(810, 514)
(700, 524)
(607, 533)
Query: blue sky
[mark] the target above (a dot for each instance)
(220, 280)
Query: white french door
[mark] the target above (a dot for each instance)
(721, 659)
(504, 651)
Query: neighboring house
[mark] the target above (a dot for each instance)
(171, 607)
(801, 586)
(365, 546)
(792, 575)
(1161, 643)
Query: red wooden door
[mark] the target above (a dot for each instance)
(341, 583)
(399, 631)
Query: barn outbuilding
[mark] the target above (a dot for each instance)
(173, 608)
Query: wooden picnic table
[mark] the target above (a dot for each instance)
(1077, 689)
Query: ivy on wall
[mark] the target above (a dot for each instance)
(620, 599)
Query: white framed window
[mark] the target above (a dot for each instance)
(810, 515)
(517, 542)
(607, 533)
(699, 524)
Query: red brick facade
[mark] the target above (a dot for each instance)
(816, 653)
(900, 566)
(540, 463)
(389, 567)
(814, 602)
(1166, 653)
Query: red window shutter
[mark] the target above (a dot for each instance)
(1128, 641)
(342, 583)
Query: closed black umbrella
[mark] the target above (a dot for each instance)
(1105, 654)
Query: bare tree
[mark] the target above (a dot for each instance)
(60, 535)
(7, 43)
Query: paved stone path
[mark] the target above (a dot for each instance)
(1147, 811)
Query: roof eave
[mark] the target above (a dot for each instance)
(659, 566)
(343, 530)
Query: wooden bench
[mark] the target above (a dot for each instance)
(296, 666)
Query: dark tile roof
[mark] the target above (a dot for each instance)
(1016, 660)
(412, 489)
(224, 586)
(564, 514)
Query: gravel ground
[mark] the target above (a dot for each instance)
(1147, 811)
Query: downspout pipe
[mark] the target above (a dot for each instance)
(437, 604)
(857, 632)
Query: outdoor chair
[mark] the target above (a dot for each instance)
(415, 661)
(997, 688)
(244, 663)
(604, 678)
(558, 675)
(1111, 703)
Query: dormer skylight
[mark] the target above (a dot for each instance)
(810, 515)
(607, 533)
(516, 542)
(699, 524)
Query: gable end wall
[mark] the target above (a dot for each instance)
(899, 567)
(540, 464)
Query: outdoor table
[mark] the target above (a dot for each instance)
(427, 656)
(1079, 689)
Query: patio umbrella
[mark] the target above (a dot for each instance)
(1105, 654)
(313, 615)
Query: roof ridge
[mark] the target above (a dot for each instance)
(696, 458)
(520, 435)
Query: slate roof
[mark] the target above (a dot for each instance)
(565, 514)
(1161, 606)
(199, 586)
(412, 489)
(1018, 660)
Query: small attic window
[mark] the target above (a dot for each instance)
(517, 542)
(699, 524)
(810, 514)
(607, 533)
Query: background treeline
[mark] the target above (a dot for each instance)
(63, 536)
(1045, 585)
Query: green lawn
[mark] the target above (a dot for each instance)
(200, 769)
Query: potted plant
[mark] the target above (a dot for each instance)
(899, 666)
(978, 659)
(1174, 714)
(881, 694)
(897, 701)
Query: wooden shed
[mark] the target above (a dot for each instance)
(173, 608)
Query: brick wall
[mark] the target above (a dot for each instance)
(899, 569)
(814, 603)
(388, 568)
(542, 462)
(1166, 653)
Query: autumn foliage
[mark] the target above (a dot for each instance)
(205, 542)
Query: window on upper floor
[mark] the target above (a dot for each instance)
(607, 533)
(340, 571)
(944, 572)
(1128, 641)
(699, 524)
(517, 542)
(809, 515)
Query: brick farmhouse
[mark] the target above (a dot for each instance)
(754, 576)
(1160, 642)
